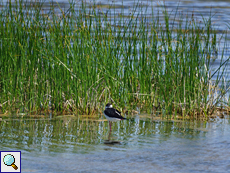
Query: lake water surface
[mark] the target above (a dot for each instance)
(73, 144)
(76, 144)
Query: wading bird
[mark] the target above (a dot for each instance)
(112, 114)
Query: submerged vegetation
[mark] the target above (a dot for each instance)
(78, 59)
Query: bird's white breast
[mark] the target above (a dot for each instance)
(111, 119)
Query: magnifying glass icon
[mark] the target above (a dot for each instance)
(9, 160)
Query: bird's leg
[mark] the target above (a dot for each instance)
(110, 125)
(109, 130)
(109, 135)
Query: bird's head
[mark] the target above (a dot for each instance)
(108, 105)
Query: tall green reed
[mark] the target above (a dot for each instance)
(79, 59)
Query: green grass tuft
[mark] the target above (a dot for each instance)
(78, 59)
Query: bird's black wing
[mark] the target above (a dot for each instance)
(111, 112)
(118, 111)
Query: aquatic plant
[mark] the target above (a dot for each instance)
(76, 59)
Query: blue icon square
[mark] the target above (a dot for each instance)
(10, 161)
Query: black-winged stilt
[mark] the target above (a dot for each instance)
(112, 114)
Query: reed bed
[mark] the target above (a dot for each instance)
(77, 59)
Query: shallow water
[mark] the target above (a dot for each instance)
(73, 144)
